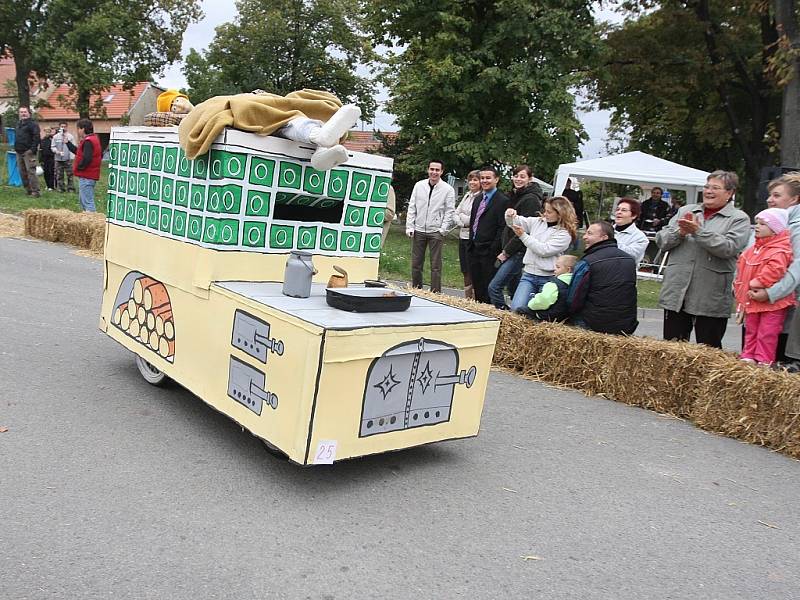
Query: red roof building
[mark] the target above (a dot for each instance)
(366, 141)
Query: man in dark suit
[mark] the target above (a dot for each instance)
(487, 223)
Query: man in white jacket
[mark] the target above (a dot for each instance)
(430, 213)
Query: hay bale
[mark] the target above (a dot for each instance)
(84, 230)
(710, 387)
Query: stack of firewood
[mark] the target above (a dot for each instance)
(147, 316)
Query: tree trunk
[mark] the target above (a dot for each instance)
(786, 20)
(21, 76)
(82, 103)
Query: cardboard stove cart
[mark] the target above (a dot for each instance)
(194, 261)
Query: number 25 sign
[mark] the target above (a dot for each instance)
(326, 452)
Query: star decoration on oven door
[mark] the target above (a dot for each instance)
(426, 378)
(388, 384)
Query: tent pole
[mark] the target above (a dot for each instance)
(600, 202)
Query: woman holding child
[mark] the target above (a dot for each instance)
(784, 192)
(545, 238)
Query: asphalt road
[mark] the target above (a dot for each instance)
(111, 488)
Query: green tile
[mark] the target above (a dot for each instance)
(122, 181)
(307, 238)
(133, 155)
(184, 165)
(354, 215)
(328, 239)
(113, 178)
(132, 182)
(167, 190)
(165, 222)
(141, 186)
(375, 216)
(197, 198)
(372, 242)
(257, 203)
(262, 171)
(327, 203)
(224, 199)
(119, 210)
(171, 160)
(152, 216)
(350, 242)
(144, 156)
(313, 181)
(359, 188)
(255, 234)
(181, 193)
(141, 212)
(157, 158)
(290, 175)
(111, 201)
(113, 154)
(200, 167)
(124, 150)
(195, 227)
(228, 232)
(281, 236)
(228, 165)
(301, 200)
(210, 230)
(130, 210)
(337, 183)
(179, 221)
(380, 189)
(155, 188)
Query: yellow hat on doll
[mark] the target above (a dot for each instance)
(164, 102)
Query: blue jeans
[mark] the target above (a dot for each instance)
(506, 276)
(528, 286)
(86, 193)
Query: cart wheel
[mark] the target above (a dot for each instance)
(151, 375)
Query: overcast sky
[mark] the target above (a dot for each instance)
(199, 35)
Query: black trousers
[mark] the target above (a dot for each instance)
(482, 269)
(707, 330)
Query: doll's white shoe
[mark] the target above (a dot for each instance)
(327, 158)
(339, 124)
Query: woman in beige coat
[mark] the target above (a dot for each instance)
(703, 241)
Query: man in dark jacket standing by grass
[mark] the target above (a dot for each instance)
(602, 293)
(26, 145)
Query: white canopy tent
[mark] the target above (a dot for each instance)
(635, 168)
(546, 187)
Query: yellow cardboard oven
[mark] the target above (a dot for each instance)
(194, 264)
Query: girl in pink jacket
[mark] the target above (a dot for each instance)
(759, 266)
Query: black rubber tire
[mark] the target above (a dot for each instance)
(149, 373)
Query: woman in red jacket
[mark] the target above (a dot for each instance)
(759, 267)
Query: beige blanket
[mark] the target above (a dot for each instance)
(256, 113)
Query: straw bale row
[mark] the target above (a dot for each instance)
(84, 230)
(709, 387)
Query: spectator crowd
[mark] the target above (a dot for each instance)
(516, 252)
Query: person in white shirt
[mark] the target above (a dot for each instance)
(63, 158)
(430, 213)
(630, 239)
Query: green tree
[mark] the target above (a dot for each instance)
(21, 23)
(484, 81)
(285, 45)
(691, 80)
(95, 44)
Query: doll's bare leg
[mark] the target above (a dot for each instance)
(339, 124)
(327, 158)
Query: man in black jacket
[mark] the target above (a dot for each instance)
(653, 214)
(26, 145)
(602, 293)
(487, 222)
